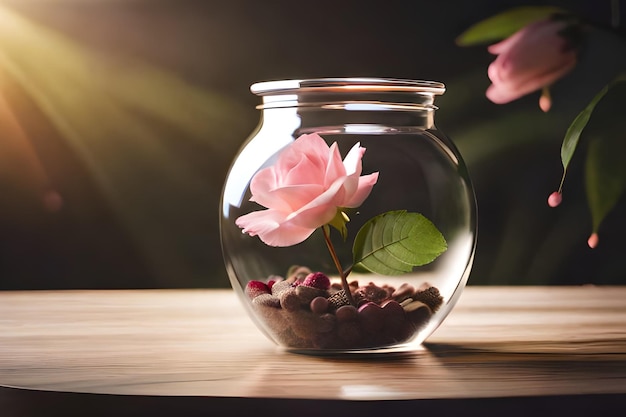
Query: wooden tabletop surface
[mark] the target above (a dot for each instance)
(196, 352)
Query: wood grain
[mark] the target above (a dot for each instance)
(498, 343)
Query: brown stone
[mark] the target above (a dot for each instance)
(307, 294)
(289, 300)
(297, 273)
(430, 296)
(338, 299)
(403, 292)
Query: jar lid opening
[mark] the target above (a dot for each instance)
(329, 85)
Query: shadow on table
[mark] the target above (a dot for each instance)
(25, 403)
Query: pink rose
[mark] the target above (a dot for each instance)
(304, 189)
(531, 59)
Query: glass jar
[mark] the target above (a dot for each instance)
(298, 263)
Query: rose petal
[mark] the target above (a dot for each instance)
(289, 198)
(366, 183)
(321, 209)
(352, 161)
(304, 189)
(334, 167)
(272, 228)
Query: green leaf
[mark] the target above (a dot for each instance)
(605, 173)
(570, 142)
(572, 136)
(394, 242)
(504, 24)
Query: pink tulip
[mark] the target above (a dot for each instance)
(304, 190)
(531, 59)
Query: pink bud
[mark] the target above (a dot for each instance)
(593, 240)
(531, 59)
(555, 199)
(545, 102)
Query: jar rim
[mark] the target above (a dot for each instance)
(357, 84)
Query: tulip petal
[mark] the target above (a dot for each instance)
(504, 92)
(499, 94)
(532, 58)
(506, 44)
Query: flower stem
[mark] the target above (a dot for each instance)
(333, 254)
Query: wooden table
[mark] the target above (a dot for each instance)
(502, 351)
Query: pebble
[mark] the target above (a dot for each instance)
(280, 287)
(273, 317)
(338, 299)
(289, 300)
(307, 311)
(346, 313)
(350, 332)
(397, 326)
(418, 313)
(305, 324)
(353, 285)
(393, 309)
(326, 323)
(266, 300)
(326, 340)
(404, 331)
(371, 317)
(370, 292)
(403, 292)
(307, 294)
(406, 302)
(289, 338)
(414, 306)
(319, 305)
(297, 273)
(430, 296)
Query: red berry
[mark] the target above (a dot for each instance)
(256, 288)
(317, 280)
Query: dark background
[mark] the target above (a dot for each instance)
(140, 181)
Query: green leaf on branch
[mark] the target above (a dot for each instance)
(504, 24)
(394, 242)
(605, 173)
(570, 142)
(572, 136)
